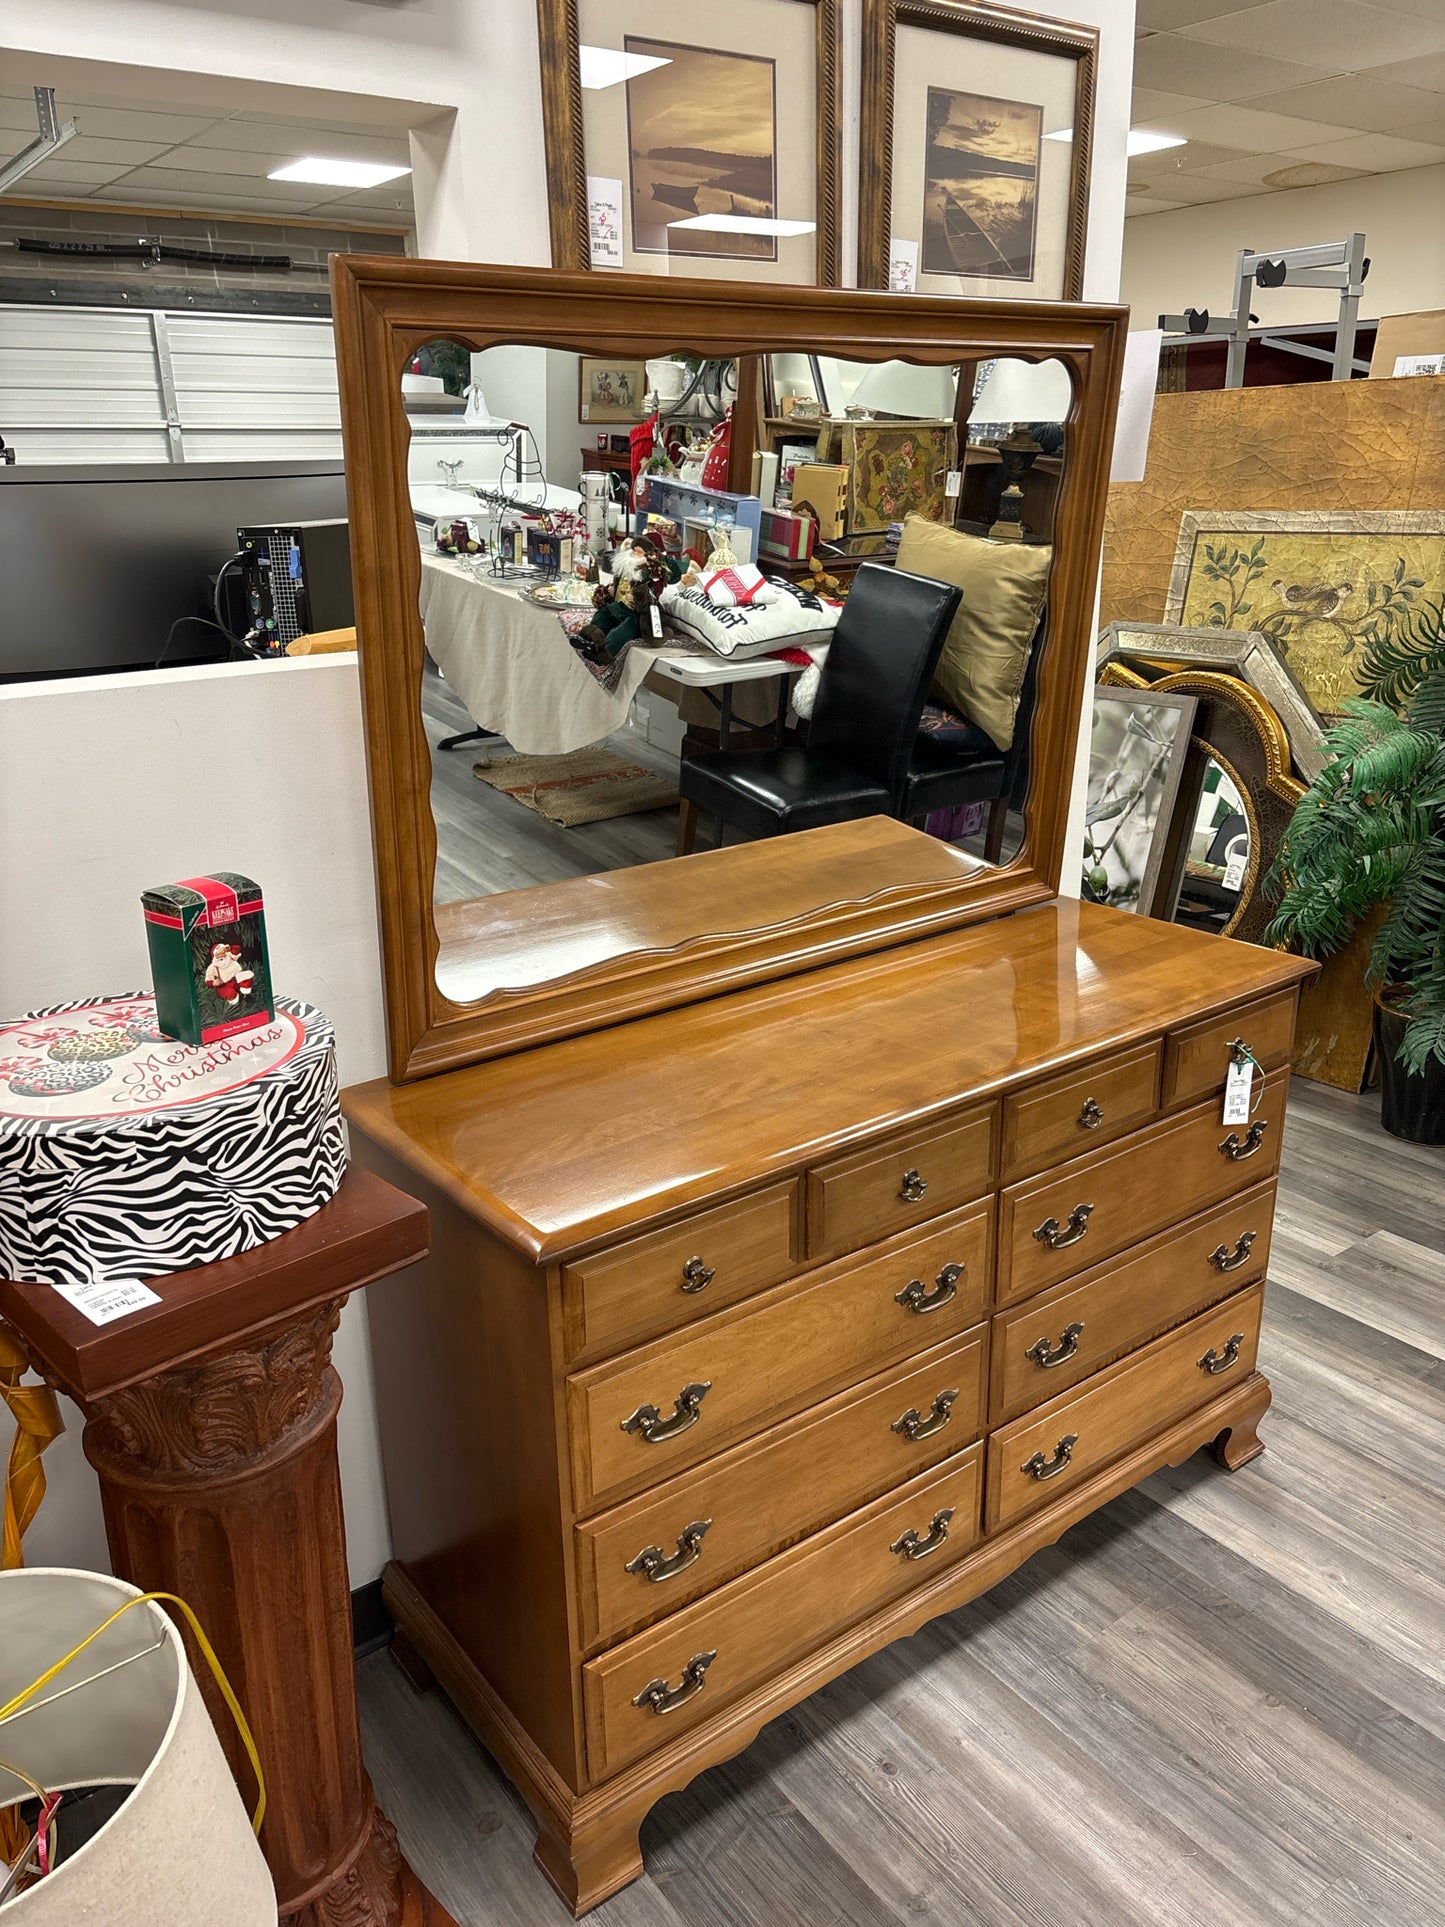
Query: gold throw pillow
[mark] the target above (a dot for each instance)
(986, 650)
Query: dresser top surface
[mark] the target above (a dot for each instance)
(599, 1136)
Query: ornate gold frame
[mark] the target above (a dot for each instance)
(972, 20)
(384, 308)
(562, 127)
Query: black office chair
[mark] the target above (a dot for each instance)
(870, 697)
(942, 777)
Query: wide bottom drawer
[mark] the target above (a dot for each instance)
(642, 1694)
(649, 1557)
(1056, 1445)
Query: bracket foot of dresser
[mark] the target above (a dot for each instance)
(1241, 1442)
(414, 1669)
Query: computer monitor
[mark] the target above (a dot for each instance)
(98, 562)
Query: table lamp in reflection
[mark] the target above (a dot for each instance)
(1024, 397)
(903, 389)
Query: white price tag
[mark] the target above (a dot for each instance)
(902, 265)
(604, 221)
(656, 615)
(102, 1299)
(953, 483)
(1236, 1093)
(1233, 878)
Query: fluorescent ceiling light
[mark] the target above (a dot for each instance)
(605, 66)
(327, 173)
(1141, 141)
(743, 224)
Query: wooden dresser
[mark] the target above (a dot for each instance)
(758, 1332)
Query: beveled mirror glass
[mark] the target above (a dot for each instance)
(605, 535)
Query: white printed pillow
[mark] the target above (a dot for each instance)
(798, 618)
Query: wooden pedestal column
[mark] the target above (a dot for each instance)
(212, 1426)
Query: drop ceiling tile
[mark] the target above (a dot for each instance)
(1194, 190)
(1355, 100)
(378, 203)
(1254, 170)
(87, 147)
(198, 188)
(1426, 71)
(1142, 204)
(290, 143)
(1379, 153)
(63, 173)
(1148, 102)
(1247, 131)
(1430, 131)
(130, 124)
(223, 160)
(1177, 64)
(1163, 16)
(1192, 158)
(1338, 35)
(310, 121)
(1309, 174)
(1422, 9)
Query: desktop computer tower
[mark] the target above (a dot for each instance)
(295, 579)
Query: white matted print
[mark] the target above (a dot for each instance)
(977, 179)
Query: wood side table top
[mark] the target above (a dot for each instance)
(367, 1230)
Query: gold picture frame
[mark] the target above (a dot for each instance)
(688, 31)
(1004, 203)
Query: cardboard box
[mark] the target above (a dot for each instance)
(212, 973)
(1406, 336)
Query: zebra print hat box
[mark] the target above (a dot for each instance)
(125, 1154)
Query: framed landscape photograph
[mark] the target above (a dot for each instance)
(610, 391)
(721, 154)
(974, 161)
(1321, 585)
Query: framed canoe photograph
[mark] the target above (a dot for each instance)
(974, 166)
(671, 150)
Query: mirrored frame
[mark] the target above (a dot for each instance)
(793, 902)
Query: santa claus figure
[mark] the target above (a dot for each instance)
(227, 975)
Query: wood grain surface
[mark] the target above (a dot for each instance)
(530, 1144)
(1217, 1702)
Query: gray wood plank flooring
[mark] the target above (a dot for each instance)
(1219, 1702)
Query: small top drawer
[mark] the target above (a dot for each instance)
(856, 1200)
(1067, 1115)
(1197, 1058)
(654, 1283)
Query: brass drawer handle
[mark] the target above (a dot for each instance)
(1038, 1467)
(914, 1426)
(1058, 1239)
(696, 1276)
(1223, 1259)
(1091, 1117)
(1235, 1148)
(656, 1565)
(1068, 1345)
(1215, 1362)
(913, 1186)
(656, 1429)
(662, 1698)
(911, 1546)
(916, 1297)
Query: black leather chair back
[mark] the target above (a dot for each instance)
(880, 663)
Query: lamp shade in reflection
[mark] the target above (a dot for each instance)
(900, 388)
(1024, 391)
(179, 1851)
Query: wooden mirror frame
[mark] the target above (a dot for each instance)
(384, 309)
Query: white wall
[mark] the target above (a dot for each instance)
(109, 784)
(1185, 259)
(102, 782)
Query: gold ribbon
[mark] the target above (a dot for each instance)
(37, 1423)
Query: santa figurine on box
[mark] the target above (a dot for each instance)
(227, 975)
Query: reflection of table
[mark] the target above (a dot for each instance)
(211, 1421)
(513, 667)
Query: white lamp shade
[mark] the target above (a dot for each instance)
(1024, 391)
(901, 388)
(180, 1850)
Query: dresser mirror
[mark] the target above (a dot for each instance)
(529, 729)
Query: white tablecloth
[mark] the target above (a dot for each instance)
(512, 666)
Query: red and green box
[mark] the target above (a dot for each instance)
(212, 974)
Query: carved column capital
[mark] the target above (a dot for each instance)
(222, 1412)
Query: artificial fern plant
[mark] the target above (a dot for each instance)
(1370, 831)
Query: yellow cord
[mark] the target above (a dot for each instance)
(169, 1599)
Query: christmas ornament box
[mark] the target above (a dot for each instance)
(209, 962)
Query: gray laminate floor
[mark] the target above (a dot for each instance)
(1218, 1702)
